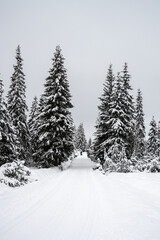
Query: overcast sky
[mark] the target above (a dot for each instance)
(92, 34)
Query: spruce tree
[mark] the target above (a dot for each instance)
(117, 118)
(89, 144)
(81, 142)
(139, 145)
(103, 125)
(116, 154)
(129, 111)
(17, 108)
(55, 128)
(36, 152)
(158, 140)
(7, 137)
(152, 144)
(33, 124)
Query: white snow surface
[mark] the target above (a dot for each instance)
(82, 204)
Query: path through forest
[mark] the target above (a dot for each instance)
(82, 204)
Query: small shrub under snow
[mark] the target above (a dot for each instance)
(15, 174)
(66, 164)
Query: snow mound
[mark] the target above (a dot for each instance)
(65, 165)
(15, 174)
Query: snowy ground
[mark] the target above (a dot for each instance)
(82, 204)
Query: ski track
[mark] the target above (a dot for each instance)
(81, 204)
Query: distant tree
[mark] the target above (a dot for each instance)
(55, 124)
(103, 124)
(89, 144)
(158, 140)
(33, 124)
(80, 141)
(152, 144)
(7, 138)
(17, 108)
(139, 143)
(36, 151)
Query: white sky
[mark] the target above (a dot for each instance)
(92, 34)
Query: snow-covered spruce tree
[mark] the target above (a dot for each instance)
(33, 124)
(116, 159)
(80, 139)
(36, 126)
(103, 125)
(89, 144)
(55, 130)
(152, 144)
(139, 143)
(17, 108)
(158, 140)
(89, 148)
(128, 108)
(7, 138)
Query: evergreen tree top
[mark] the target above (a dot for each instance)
(109, 84)
(126, 77)
(56, 85)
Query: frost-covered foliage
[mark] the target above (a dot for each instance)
(17, 108)
(15, 174)
(152, 138)
(129, 110)
(65, 165)
(139, 142)
(103, 124)
(80, 139)
(117, 162)
(7, 137)
(148, 163)
(33, 124)
(153, 165)
(55, 124)
(89, 144)
(158, 140)
(115, 126)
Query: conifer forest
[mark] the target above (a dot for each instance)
(49, 137)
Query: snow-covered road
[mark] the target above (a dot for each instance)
(82, 204)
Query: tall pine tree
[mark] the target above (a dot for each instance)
(33, 124)
(129, 111)
(17, 108)
(139, 143)
(152, 144)
(55, 128)
(103, 126)
(117, 118)
(116, 155)
(7, 137)
(158, 140)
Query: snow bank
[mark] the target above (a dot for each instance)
(15, 174)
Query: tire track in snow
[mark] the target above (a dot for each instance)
(70, 209)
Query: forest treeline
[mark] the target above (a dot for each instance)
(49, 137)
